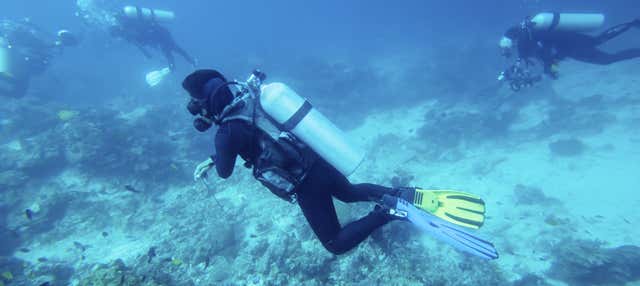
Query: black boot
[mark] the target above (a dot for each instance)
(405, 193)
(388, 205)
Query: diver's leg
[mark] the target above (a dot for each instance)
(317, 207)
(344, 191)
(614, 32)
(595, 56)
(316, 202)
(625, 55)
(185, 55)
(169, 56)
(361, 193)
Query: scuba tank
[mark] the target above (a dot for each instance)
(293, 135)
(574, 22)
(147, 14)
(6, 76)
(296, 115)
(5, 58)
(5, 64)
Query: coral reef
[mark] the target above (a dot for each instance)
(450, 130)
(582, 262)
(567, 147)
(531, 280)
(117, 273)
(528, 195)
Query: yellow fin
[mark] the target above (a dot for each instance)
(66, 115)
(7, 275)
(176, 262)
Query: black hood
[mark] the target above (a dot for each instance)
(201, 83)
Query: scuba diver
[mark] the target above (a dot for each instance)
(25, 52)
(552, 37)
(301, 157)
(141, 27)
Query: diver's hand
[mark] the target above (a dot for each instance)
(554, 71)
(501, 76)
(203, 168)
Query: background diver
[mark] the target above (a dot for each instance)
(552, 37)
(141, 27)
(25, 51)
(293, 171)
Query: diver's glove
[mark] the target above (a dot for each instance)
(203, 168)
(554, 71)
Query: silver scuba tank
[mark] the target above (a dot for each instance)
(298, 116)
(148, 14)
(572, 22)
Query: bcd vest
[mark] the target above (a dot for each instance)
(283, 160)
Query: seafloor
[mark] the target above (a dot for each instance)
(112, 202)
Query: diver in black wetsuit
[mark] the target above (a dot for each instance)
(26, 51)
(550, 47)
(148, 33)
(319, 183)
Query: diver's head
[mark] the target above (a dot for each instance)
(506, 46)
(209, 94)
(507, 42)
(66, 38)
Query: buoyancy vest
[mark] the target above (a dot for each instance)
(283, 161)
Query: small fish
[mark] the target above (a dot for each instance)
(626, 220)
(7, 275)
(151, 254)
(45, 284)
(105, 234)
(207, 261)
(24, 249)
(80, 246)
(43, 259)
(29, 214)
(130, 188)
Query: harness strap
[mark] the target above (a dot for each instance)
(297, 117)
(153, 15)
(139, 12)
(555, 22)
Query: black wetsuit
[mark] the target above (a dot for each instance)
(145, 34)
(551, 47)
(30, 54)
(314, 194)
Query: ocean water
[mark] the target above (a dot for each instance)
(96, 166)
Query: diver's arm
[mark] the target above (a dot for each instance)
(169, 56)
(185, 55)
(227, 150)
(143, 50)
(549, 59)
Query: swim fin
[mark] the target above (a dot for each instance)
(460, 208)
(445, 231)
(155, 77)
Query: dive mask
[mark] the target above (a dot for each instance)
(198, 108)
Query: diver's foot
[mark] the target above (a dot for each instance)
(405, 193)
(389, 205)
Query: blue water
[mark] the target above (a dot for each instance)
(104, 162)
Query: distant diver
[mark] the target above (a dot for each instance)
(303, 158)
(553, 37)
(25, 51)
(141, 27)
